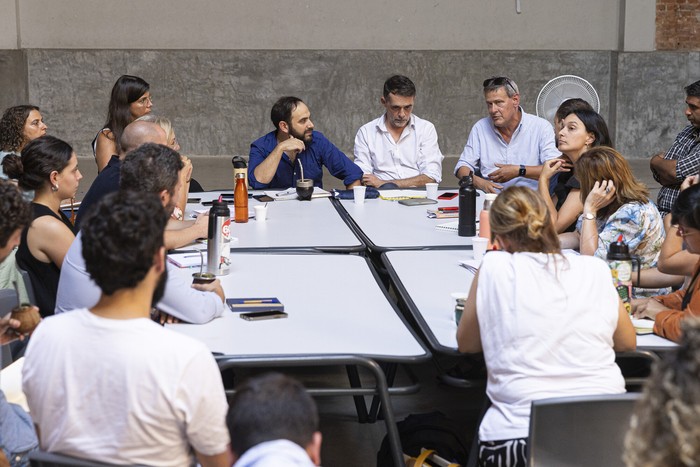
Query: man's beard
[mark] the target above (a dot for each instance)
(159, 291)
(305, 138)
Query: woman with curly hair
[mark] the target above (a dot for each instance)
(130, 100)
(548, 323)
(48, 166)
(664, 427)
(18, 126)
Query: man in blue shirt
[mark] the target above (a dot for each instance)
(509, 146)
(277, 159)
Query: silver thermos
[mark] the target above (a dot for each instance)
(219, 239)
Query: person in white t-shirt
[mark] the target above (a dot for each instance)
(548, 323)
(107, 383)
(398, 147)
(273, 422)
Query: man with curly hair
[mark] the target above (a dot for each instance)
(14, 215)
(107, 383)
(18, 126)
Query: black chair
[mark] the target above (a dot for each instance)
(51, 459)
(579, 431)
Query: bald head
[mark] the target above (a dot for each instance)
(140, 132)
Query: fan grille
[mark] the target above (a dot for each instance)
(561, 88)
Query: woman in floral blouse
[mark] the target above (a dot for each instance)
(615, 203)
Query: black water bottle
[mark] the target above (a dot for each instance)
(467, 207)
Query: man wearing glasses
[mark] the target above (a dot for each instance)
(509, 146)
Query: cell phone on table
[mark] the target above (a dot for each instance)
(261, 315)
(416, 201)
(264, 198)
(448, 195)
(193, 200)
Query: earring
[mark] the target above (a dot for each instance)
(54, 188)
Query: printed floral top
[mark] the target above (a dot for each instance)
(642, 228)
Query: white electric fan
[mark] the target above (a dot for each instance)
(562, 88)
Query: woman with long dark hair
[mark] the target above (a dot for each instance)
(18, 126)
(130, 100)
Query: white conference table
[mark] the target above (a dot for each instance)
(335, 307)
(387, 225)
(425, 281)
(336, 310)
(291, 225)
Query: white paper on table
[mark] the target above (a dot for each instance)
(401, 194)
(188, 260)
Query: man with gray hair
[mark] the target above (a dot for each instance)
(509, 146)
(683, 157)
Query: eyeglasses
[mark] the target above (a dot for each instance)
(144, 100)
(683, 233)
(498, 81)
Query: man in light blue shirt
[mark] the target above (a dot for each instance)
(509, 146)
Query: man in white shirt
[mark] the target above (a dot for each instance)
(109, 384)
(398, 147)
(150, 168)
(509, 146)
(274, 422)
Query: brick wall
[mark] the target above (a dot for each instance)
(677, 24)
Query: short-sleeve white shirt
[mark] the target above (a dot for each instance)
(547, 328)
(123, 391)
(532, 143)
(415, 153)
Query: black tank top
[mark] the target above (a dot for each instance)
(44, 276)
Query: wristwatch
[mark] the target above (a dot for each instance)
(521, 172)
(588, 216)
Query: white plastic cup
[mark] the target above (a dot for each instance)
(431, 190)
(260, 213)
(479, 245)
(358, 193)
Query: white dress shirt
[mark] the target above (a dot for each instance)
(532, 143)
(415, 153)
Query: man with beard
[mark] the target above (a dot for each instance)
(509, 146)
(273, 157)
(150, 168)
(398, 147)
(683, 157)
(108, 384)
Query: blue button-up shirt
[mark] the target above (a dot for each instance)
(320, 152)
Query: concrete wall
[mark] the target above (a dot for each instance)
(316, 24)
(219, 100)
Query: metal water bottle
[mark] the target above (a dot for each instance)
(240, 167)
(467, 208)
(219, 239)
(240, 200)
(621, 264)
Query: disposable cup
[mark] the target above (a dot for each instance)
(359, 194)
(260, 213)
(431, 190)
(479, 245)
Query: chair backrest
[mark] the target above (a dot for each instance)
(28, 285)
(579, 431)
(51, 459)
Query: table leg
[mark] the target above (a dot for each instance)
(360, 405)
(389, 370)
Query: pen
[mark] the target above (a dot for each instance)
(257, 301)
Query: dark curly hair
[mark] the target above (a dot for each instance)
(664, 428)
(12, 127)
(127, 90)
(150, 168)
(14, 211)
(39, 158)
(120, 236)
